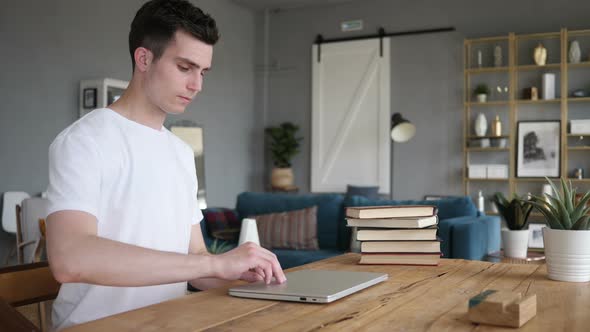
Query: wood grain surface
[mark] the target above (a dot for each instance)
(414, 298)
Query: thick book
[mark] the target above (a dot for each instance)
(393, 222)
(401, 259)
(386, 234)
(390, 211)
(400, 246)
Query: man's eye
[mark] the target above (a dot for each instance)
(183, 69)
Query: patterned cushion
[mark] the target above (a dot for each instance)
(222, 223)
(289, 230)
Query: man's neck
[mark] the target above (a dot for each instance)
(136, 107)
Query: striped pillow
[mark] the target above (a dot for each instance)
(289, 230)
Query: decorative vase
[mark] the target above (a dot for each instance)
(568, 254)
(497, 126)
(515, 243)
(481, 125)
(282, 177)
(249, 232)
(540, 55)
(482, 98)
(575, 54)
(497, 56)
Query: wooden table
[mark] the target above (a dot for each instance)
(413, 299)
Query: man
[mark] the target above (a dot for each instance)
(123, 227)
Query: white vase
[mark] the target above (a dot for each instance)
(249, 232)
(481, 125)
(575, 54)
(482, 98)
(515, 243)
(567, 254)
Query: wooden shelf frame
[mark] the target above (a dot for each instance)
(562, 68)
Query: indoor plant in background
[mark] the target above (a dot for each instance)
(567, 239)
(284, 145)
(481, 92)
(515, 238)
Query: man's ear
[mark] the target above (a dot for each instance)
(143, 58)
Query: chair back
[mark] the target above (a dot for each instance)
(10, 200)
(33, 212)
(27, 283)
(21, 285)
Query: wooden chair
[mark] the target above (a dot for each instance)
(22, 285)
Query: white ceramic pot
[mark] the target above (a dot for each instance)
(482, 97)
(567, 254)
(515, 243)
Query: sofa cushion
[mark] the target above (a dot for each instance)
(329, 210)
(450, 207)
(370, 192)
(222, 224)
(291, 258)
(289, 230)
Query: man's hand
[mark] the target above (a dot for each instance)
(249, 262)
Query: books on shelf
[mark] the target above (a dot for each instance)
(410, 222)
(391, 211)
(401, 258)
(400, 247)
(389, 234)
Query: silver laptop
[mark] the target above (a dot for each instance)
(315, 286)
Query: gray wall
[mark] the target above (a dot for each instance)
(47, 47)
(426, 73)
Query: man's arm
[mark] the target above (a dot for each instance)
(77, 254)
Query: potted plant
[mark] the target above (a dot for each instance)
(567, 239)
(219, 247)
(284, 145)
(515, 239)
(481, 92)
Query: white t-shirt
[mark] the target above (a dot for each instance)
(140, 184)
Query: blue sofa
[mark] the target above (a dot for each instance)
(464, 232)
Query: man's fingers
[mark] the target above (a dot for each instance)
(251, 276)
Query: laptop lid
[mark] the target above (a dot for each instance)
(315, 286)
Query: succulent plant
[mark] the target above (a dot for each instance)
(219, 247)
(516, 211)
(561, 210)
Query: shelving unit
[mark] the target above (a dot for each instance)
(507, 81)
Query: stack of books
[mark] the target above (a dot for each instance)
(403, 235)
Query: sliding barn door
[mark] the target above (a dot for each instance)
(350, 115)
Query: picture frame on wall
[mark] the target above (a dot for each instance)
(89, 97)
(536, 236)
(538, 152)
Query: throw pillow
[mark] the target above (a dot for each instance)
(289, 230)
(222, 223)
(370, 192)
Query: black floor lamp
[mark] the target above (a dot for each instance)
(402, 130)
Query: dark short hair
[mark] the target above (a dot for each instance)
(157, 21)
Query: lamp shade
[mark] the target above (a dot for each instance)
(402, 130)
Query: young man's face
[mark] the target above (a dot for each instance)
(177, 76)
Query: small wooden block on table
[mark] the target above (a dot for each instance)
(502, 308)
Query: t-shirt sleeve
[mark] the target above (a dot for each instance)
(74, 174)
(198, 217)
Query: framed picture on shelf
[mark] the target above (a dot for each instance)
(536, 236)
(538, 152)
(89, 98)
